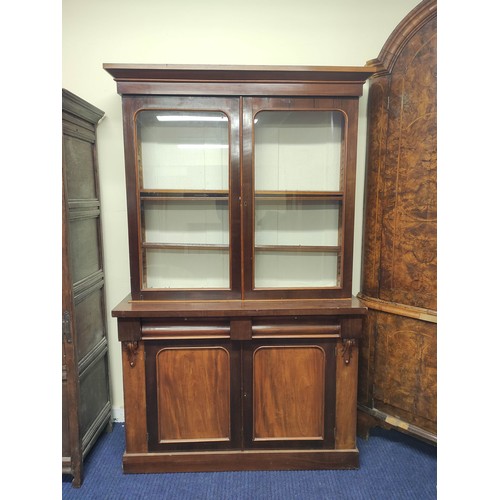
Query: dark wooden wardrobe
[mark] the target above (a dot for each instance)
(86, 407)
(398, 365)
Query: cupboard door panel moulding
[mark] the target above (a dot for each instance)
(240, 193)
(192, 395)
(399, 278)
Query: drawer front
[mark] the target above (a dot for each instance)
(296, 328)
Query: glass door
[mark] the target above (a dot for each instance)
(298, 180)
(186, 171)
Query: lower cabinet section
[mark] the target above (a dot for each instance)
(240, 394)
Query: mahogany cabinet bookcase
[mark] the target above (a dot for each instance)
(240, 335)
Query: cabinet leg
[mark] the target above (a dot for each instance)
(109, 427)
(365, 423)
(77, 477)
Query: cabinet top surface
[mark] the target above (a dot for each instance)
(157, 308)
(168, 72)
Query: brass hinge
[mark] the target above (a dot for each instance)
(66, 326)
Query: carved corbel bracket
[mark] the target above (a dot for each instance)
(131, 349)
(347, 345)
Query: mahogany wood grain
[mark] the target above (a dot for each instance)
(347, 382)
(134, 381)
(193, 394)
(277, 330)
(193, 386)
(129, 329)
(288, 392)
(247, 88)
(231, 73)
(296, 459)
(241, 80)
(237, 308)
(185, 329)
(241, 329)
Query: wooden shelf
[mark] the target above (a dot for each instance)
(297, 248)
(299, 195)
(184, 195)
(185, 246)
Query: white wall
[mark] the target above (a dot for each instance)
(261, 32)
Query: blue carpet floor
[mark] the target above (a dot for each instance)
(392, 466)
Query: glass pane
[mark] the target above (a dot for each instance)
(297, 222)
(183, 159)
(186, 222)
(298, 199)
(288, 269)
(298, 150)
(186, 150)
(186, 268)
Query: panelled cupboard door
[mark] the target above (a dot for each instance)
(288, 394)
(194, 395)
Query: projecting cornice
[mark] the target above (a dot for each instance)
(403, 32)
